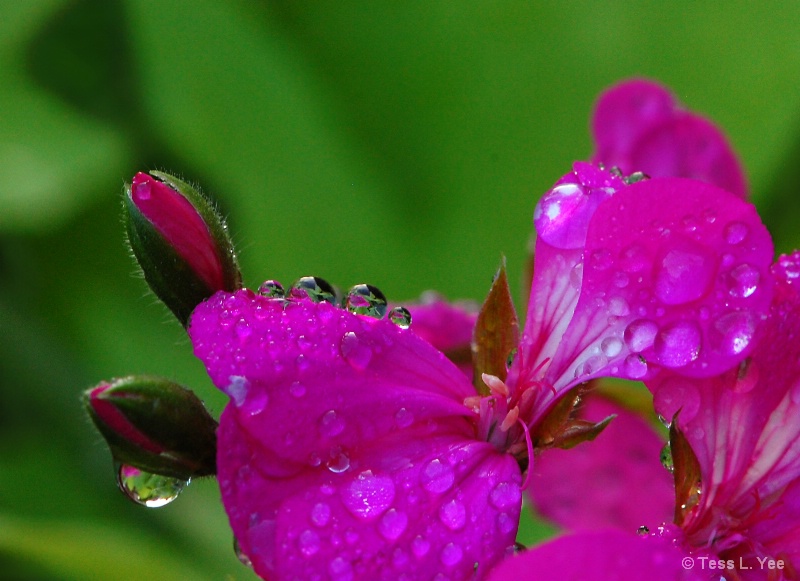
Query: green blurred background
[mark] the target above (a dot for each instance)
(400, 144)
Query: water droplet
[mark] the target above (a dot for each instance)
(392, 524)
(340, 462)
(420, 547)
(747, 378)
(640, 334)
(678, 344)
(313, 288)
(576, 276)
(666, 457)
(308, 541)
(330, 424)
(437, 477)
(611, 346)
(243, 559)
(237, 389)
(403, 418)
(735, 232)
(643, 531)
(732, 333)
(297, 389)
(355, 352)
(684, 274)
(401, 317)
(743, 281)
(453, 515)
(272, 289)
(664, 421)
(340, 569)
(368, 496)
(321, 514)
(618, 307)
(365, 299)
(451, 555)
(505, 495)
(621, 279)
(150, 490)
(635, 366)
(506, 524)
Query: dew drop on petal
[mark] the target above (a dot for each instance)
(666, 457)
(437, 477)
(505, 523)
(420, 547)
(451, 555)
(678, 345)
(308, 541)
(237, 389)
(743, 281)
(340, 462)
(365, 299)
(272, 289)
(356, 353)
(392, 524)
(146, 489)
(618, 307)
(320, 514)
(297, 389)
(505, 495)
(331, 424)
(611, 346)
(732, 333)
(643, 531)
(453, 515)
(747, 378)
(635, 366)
(684, 274)
(640, 334)
(340, 569)
(368, 496)
(401, 317)
(313, 288)
(403, 418)
(735, 233)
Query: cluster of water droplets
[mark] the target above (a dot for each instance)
(147, 489)
(361, 299)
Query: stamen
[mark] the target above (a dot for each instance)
(528, 441)
(510, 419)
(495, 385)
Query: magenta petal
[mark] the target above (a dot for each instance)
(616, 480)
(676, 275)
(605, 555)
(346, 450)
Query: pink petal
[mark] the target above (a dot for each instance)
(346, 450)
(616, 480)
(604, 555)
(637, 126)
(743, 428)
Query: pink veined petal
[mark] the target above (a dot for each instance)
(346, 451)
(616, 480)
(623, 114)
(676, 275)
(743, 428)
(603, 555)
(638, 126)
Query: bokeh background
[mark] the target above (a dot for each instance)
(400, 144)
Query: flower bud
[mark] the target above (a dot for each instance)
(180, 242)
(154, 425)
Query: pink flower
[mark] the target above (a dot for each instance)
(638, 126)
(353, 448)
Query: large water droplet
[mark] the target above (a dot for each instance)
(678, 344)
(401, 317)
(684, 274)
(561, 216)
(635, 366)
(355, 352)
(392, 524)
(506, 524)
(640, 334)
(611, 346)
(330, 424)
(150, 490)
(451, 555)
(618, 307)
(237, 389)
(321, 514)
(743, 281)
(453, 515)
(403, 418)
(666, 457)
(272, 289)
(437, 477)
(308, 541)
(735, 232)
(368, 496)
(732, 333)
(420, 547)
(505, 495)
(313, 288)
(365, 299)
(340, 462)
(340, 569)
